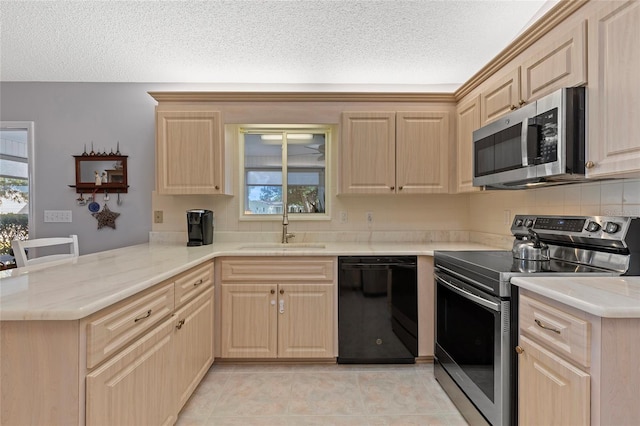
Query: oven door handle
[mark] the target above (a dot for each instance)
(470, 296)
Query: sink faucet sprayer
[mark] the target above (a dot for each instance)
(285, 222)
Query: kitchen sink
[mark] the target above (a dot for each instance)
(282, 246)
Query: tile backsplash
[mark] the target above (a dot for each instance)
(481, 217)
(489, 210)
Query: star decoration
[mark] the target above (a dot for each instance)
(106, 218)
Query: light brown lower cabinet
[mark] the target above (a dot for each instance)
(193, 333)
(133, 363)
(278, 308)
(550, 390)
(150, 381)
(575, 368)
(136, 386)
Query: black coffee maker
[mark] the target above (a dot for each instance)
(199, 227)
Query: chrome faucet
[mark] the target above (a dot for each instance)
(285, 222)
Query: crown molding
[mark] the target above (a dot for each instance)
(301, 97)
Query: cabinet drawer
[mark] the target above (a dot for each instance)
(110, 329)
(266, 269)
(193, 282)
(562, 332)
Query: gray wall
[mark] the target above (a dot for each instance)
(68, 115)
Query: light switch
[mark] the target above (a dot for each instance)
(57, 216)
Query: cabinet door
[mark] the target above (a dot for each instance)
(368, 153)
(422, 152)
(249, 321)
(500, 96)
(614, 93)
(137, 386)
(468, 120)
(561, 63)
(193, 334)
(305, 320)
(550, 390)
(189, 152)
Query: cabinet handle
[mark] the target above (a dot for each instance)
(590, 165)
(541, 325)
(143, 317)
(513, 108)
(519, 350)
(180, 324)
(197, 283)
(273, 291)
(281, 310)
(281, 291)
(522, 102)
(400, 188)
(217, 187)
(392, 188)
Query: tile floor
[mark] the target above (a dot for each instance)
(320, 395)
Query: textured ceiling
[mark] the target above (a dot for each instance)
(416, 44)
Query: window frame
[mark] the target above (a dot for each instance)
(326, 129)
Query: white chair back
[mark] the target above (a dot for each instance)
(20, 252)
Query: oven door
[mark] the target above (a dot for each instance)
(473, 345)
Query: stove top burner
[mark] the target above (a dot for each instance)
(493, 269)
(503, 262)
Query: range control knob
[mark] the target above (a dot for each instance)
(592, 227)
(518, 222)
(611, 227)
(528, 223)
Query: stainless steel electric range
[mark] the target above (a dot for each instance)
(476, 309)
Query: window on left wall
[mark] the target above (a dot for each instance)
(16, 147)
(285, 167)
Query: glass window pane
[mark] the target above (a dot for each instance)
(306, 172)
(263, 177)
(264, 168)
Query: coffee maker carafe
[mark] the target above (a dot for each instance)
(199, 227)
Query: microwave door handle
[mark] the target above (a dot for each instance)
(524, 147)
(529, 142)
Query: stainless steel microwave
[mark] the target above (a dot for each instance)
(541, 143)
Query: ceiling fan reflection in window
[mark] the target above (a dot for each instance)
(314, 149)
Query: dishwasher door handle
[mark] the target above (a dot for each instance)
(369, 266)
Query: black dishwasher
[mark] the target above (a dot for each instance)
(377, 310)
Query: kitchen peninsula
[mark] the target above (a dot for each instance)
(102, 325)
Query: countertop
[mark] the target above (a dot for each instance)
(74, 289)
(615, 297)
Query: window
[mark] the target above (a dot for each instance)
(16, 145)
(297, 153)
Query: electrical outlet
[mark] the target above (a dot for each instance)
(344, 218)
(57, 216)
(157, 216)
(369, 218)
(507, 217)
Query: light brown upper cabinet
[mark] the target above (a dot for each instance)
(395, 152)
(189, 152)
(559, 62)
(613, 95)
(467, 120)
